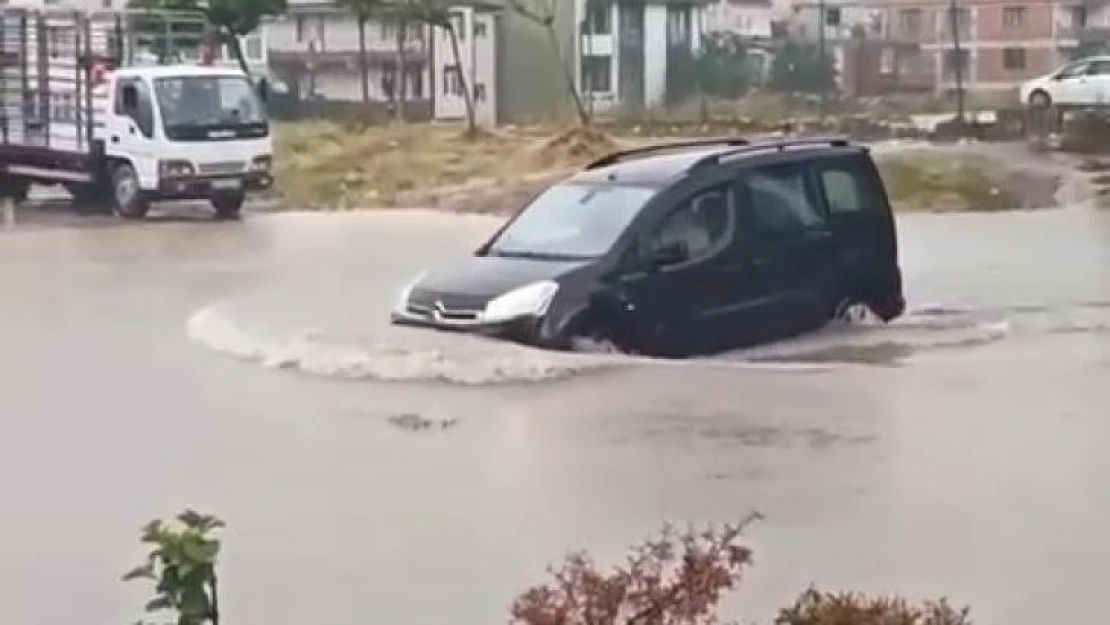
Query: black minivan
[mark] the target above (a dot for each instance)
(680, 249)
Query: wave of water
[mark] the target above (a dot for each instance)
(406, 354)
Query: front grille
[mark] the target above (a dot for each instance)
(440, 312)
(222, 167)
(427, 299)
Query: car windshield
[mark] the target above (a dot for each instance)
(572, 221)
(207, 101)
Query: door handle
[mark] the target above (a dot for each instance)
(115, 138)
(131, 129)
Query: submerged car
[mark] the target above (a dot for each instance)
(680, 249)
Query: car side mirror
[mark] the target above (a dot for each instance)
(669, 254)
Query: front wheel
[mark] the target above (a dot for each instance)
(228, 205)
(1040, 100)
(129, 199)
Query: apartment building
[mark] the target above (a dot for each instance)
(1001, 42)
(622, 48)
(314, 50)
(750, 19)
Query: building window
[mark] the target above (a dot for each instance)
(104, 4)
(299, 26)
(414, 78)
(479, 29)
(910, 21)
(451, 83)
(598, 19)
(961, 19)
(479, 92)
(388, 30)
(597, 73)
(1078, 16)
(952, 60)
(678, 24)
(886, 61)
(1013, 17)
(254, 48)
(1013, 59)
(832, 16)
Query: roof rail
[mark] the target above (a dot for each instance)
(615, 157)
(837, 141)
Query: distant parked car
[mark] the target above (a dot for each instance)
(680, 249)
(1085, 82)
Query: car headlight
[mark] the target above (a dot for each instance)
(530, 300)
(403, 298)
(172, 168)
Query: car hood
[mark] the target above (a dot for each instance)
(475, 280)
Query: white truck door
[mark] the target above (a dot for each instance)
(1098, 82)
(131, 131)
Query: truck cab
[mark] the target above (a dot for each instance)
(107, 105)
(184, 132)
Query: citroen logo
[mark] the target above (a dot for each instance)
(438, 310)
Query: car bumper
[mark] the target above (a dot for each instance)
(527, 330)
(206, 186)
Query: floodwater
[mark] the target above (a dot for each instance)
(248, 370)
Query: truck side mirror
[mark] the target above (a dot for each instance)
(130, 99)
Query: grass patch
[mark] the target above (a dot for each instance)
(936, 182)
(325, 165)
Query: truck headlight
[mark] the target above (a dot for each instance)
(262, 163)
(172, 168)
(529, 300)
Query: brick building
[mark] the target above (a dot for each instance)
(1003, 42)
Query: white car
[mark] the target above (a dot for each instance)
(1080, 83)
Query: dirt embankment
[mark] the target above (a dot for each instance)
(328, 167)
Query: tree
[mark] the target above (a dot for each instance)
(231, 18)
(362, 9)
(801, 68)
(437, 14)
(543, 13)
(721, 68)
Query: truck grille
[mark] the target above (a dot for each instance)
(222, 167)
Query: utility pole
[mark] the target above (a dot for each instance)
(954, 21)
(821, 54)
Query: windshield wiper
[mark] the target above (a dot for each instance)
(537, 255)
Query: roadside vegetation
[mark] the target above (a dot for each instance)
(671, 578)
(335, 166)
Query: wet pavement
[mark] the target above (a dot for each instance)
(379, 474)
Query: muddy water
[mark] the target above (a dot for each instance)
(407, 477)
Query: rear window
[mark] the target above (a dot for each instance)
(850, 188)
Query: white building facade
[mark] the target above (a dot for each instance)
(622, 49)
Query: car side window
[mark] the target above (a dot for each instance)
(848, 189)
(780, 200)
(1098, 68)
(697, 228)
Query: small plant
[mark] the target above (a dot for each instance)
(849, 608)
(670, 579)
(182, 565)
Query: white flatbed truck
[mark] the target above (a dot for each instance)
(80, 107)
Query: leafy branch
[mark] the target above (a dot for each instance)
(181, 564)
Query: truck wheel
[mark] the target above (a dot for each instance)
(130, 202)
(228, 205)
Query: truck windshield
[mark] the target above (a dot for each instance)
(571, 221)
(203, 102)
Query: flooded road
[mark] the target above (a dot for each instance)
(960, 451)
